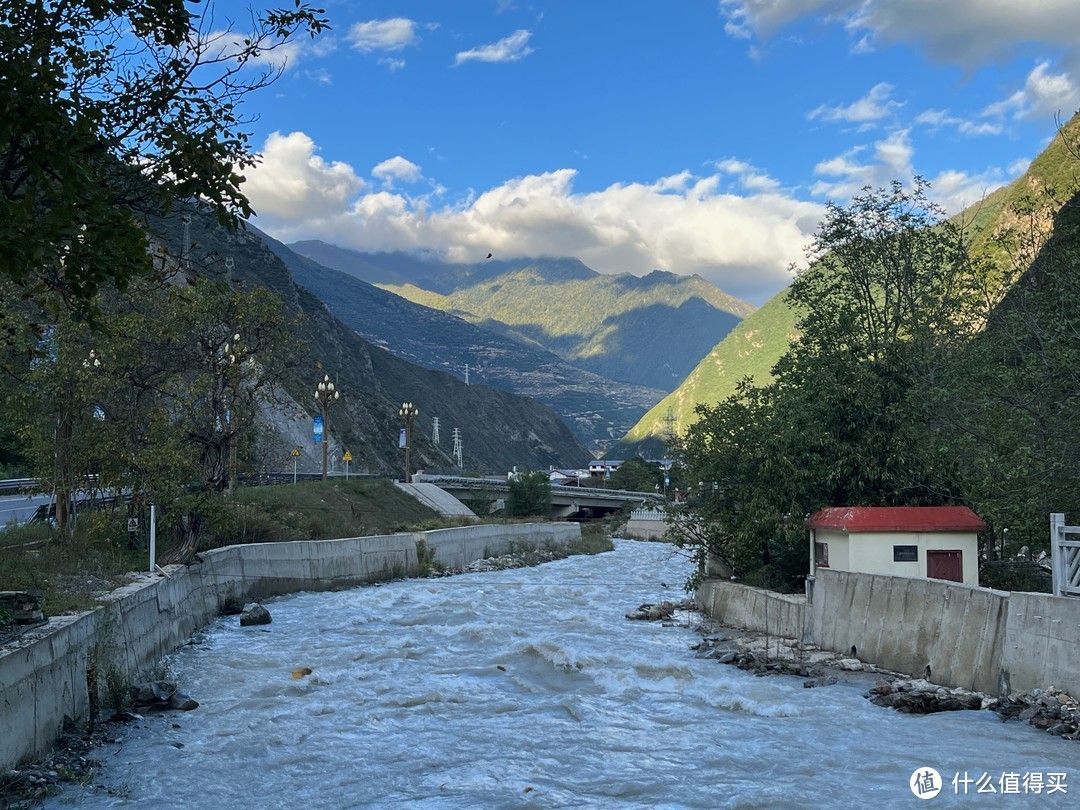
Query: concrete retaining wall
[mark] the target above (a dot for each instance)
(1042, 643)
(752, 608)
(952, 634)
(637, 529)
(44, 674)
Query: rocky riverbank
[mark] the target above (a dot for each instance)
(1051, 710)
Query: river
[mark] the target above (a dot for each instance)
(529, 688)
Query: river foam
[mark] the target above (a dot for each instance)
(528, 688)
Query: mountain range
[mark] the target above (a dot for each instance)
(1028, 205)
(649, 331)
(597, 409)
(498, 429)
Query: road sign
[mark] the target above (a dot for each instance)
(347, 456)
(296, 451)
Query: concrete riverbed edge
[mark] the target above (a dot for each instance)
(989, 641)
(48, 673)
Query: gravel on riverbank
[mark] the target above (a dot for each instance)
(1051, 710)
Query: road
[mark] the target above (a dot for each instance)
(19, 507)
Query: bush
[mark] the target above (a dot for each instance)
(530, 495)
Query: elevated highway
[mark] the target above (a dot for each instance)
(566, 502)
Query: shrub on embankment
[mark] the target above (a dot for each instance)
(102, 550)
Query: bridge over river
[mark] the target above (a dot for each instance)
(566, 502)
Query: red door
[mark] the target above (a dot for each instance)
(945, 565)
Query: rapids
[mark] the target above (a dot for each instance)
(529, 688)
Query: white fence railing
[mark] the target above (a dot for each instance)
(647, 514)
(1065, 556)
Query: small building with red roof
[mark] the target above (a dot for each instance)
(935, 542)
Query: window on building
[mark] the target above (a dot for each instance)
(821, 554)
(905, 553)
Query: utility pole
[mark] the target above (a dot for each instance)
(408, 412)
(435, 431)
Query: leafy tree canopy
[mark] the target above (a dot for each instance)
(849, 418)
(637, 475)
(111, 109)
(530, 495)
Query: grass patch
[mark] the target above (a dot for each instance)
(319, 510)
(67, 572)
(595, 539)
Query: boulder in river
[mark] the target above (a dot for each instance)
(254, 614)
(160, 695)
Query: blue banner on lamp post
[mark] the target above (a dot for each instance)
(401, 441)
(318, 429)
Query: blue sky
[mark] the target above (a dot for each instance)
(693, 136)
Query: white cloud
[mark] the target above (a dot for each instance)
(383, 35)
(270, 53)
(874, 106)
(507, 49)
(292, 181)
(397, 168)
(392, 63)
(936, 119)
(681, 223)
(966, 32)
(893, 158)
(750, 177)
(1044, 95)
(845, 174)
(969, 33)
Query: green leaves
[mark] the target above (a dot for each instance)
(846, 419)
(110, 110)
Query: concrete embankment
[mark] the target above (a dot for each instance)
(957, 635)
(48, 674)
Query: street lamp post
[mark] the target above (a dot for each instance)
(408, 412)
(326, 395)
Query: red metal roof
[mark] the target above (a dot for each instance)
(896, 519)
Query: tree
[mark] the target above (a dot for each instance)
(156, 402)
(850, 417)
(637, 475)
(111, 110)
(1013, 416)
(530, 495)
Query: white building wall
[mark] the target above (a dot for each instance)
(839, 548)
(872, 553)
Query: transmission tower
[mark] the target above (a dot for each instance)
(466, 373)
(435, 431)
(458, 448)
(669, 425)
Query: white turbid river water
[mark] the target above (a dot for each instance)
(529, 688)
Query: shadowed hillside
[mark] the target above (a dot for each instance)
(499, 429)
(649, 331)
(1006, 227)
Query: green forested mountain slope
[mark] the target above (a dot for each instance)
(749, 350)
(1006, 228)
(649, 330)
